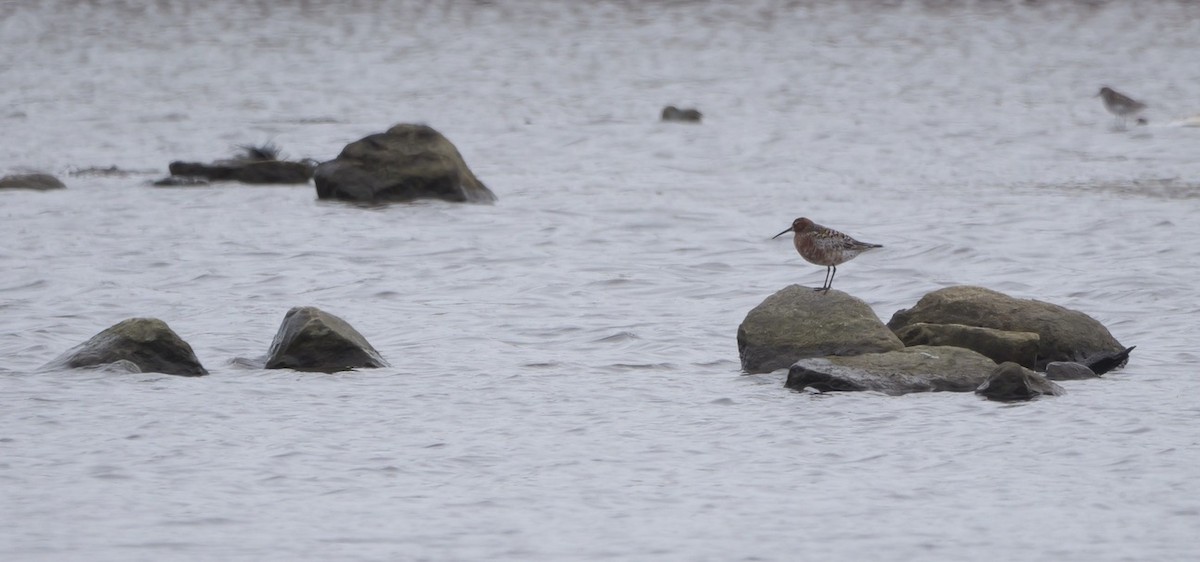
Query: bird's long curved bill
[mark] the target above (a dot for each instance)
(781, 234)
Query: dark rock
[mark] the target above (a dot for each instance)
(997, 345)
(1010, 382)
(1068, 371)
(1064, 334)
(31, 181)
(798, 322)
(1103, 362)
(406, 163)
(147, 343)
(246, 171)
(920, 368)
(672, 113)
(311, 339)
(180, 181)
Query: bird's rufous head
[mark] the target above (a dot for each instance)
(799, 226)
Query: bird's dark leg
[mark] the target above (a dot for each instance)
(829, 285)
(828, 278)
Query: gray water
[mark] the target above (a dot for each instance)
(565, 380)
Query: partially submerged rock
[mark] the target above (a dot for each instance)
(913, 369)
(40, 182)
(256, 165)
(1068, 371)
(146, 343)
(406, 163)
(310, 339)
(1010, 382)
(997, 345)
(672, 113)
(1064, 334)
(1103, 362)
(798, 322)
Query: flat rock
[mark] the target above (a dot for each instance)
(1010, 382)
(1064, 334)
(138, 344)
(919, 368)
(40, 182)
(244, 171)
(310, 339)
(798, 322)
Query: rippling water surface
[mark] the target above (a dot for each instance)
(566, 383)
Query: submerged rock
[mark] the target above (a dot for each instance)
(672, 113)
(147, 344)
(1010, 382)
(919, 368)
(310, 339)
(406, 163)
(997, 345)
(798, 322)
(39, 182)
(1064, 334)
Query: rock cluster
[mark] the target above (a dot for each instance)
(958, 339)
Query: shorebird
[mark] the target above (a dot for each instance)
(1120, 104)
(825, 246)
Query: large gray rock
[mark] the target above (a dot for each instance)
(1064, 334)
(310, 339)
(39, 182)
(1010, 382)
(920, 368)
(798, 322)
(406, 163)
(147, 344)
(997, 345)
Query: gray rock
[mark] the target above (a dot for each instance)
(1068, 371)
(997, 345)
(798, 322)
(40, 182)
(310, 339)
(1010, 382)
(1064, 334)
(672, 113)
(406, 163)
(146, 344)
(920, 368)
